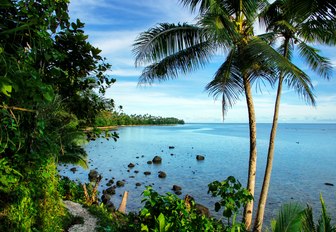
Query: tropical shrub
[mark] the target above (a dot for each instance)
(169, 213)
(232, 197)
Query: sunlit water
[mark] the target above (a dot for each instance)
(305, 159)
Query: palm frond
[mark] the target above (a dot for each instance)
(181, 62)
(324, 223)
(294, 76)
(74, 155)
(220, 28)
(318, 30)
(307, 223)
(227, 83)
(165, 40)
(288, 219)
(316, 62)
(197, 5)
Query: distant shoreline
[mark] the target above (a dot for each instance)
(116, 127)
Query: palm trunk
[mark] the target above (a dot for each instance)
(270, 156)
(253, 152)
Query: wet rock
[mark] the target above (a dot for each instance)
(131, 165)
(171, 154)
(74, 169)
(177, 188)
(93, 176)
(147, 173)
(136, 171)
(329, 184)
(137, 184)
(105, 198)
(110, 182)
(157, 160)
(200, 157)
(178, 192)
(110, 191)
(171, 147)
(110, 206)
(162, 174)
(149, 162)
(201, 209)
(137, 157)
(120, 183)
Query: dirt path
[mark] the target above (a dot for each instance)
(76, 209)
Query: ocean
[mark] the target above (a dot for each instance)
(305, 159)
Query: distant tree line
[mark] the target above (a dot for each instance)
(114, 118)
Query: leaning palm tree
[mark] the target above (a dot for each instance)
(293, 29)
(223, 25)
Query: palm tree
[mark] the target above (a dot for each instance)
(292, 28)
(223, 25)
(293, 217)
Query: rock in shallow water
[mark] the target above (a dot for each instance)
(147, 173)
(157, 160)
(162, 174)
(329, 184)
(200, 157)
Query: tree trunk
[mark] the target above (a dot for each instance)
(253, 152)
(267, 177)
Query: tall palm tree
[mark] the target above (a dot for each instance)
(223, 25)
(293, 29)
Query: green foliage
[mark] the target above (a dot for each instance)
(71, 190)
(293, 217)
(48, 74)
(169, 213)
(288, 219)
(232, 197)
(111, 222)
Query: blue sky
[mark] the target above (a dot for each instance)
(113, 25)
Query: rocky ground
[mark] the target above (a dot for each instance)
(76, 209)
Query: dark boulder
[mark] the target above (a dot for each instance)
(74, 169)
(157, 160)
(178, 192)
(147, 173)
(110, 206)
(137, 184)
(200, 157)
(105, 198)
(120, 183)
(131, 165)
(329, 184)
(149, 162)
(162, 174)
(110, 191)
(177, 188)
(171, 147)
(110, 182)
(93, 176)
(136, 171)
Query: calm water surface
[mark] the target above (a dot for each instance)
(305, 159)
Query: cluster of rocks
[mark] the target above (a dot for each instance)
(94, 176)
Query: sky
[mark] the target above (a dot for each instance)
(113, 26)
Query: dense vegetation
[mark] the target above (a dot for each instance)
(48, 71)
(108, 118)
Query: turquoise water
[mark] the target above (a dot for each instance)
(305, 159)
